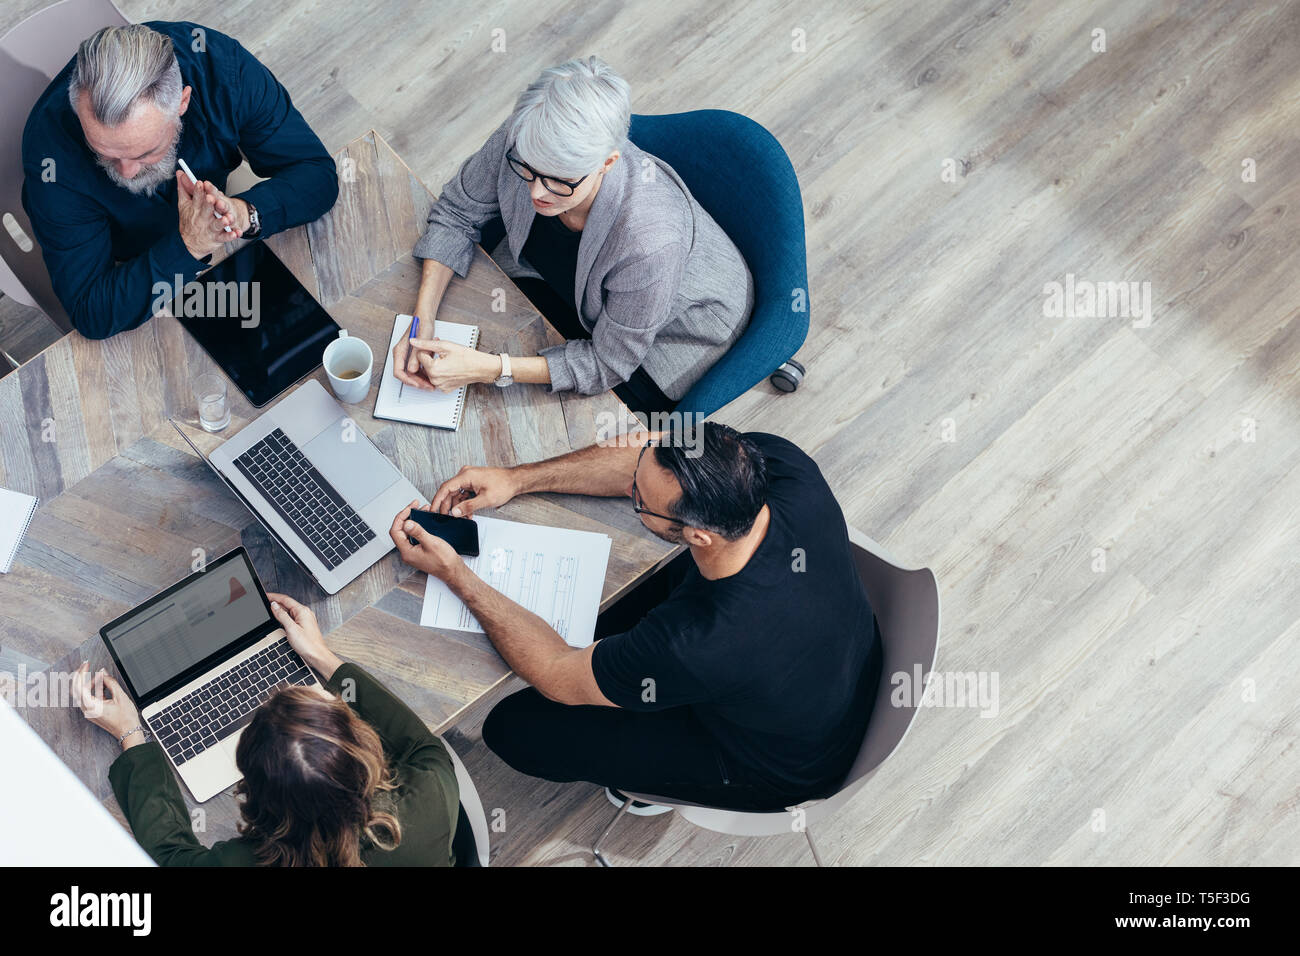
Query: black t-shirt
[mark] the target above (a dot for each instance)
(552, 249)
(770, 659)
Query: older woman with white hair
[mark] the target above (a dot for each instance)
(604, 238)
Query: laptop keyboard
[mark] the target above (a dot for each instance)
(302, 497)
(219, 708)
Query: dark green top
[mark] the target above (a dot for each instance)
(425, 801)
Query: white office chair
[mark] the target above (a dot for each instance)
(31, 54)
(10, 363)
(476, 841)
(906, 604)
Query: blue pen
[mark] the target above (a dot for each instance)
(415, 331)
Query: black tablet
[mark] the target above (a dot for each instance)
(256, 321)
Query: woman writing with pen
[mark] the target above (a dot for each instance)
(605, 240)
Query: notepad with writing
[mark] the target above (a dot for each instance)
(421, 406)
(16, 510)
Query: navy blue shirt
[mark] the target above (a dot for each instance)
(106, 247)
(780, 662)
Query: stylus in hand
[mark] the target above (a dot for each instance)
(194, 182)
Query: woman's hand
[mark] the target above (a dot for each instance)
(105, 704)
(447, 365)
(406, 367)
(473, 488)
(299, 623)
(434, 278)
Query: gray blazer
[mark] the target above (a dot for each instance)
(659, 284)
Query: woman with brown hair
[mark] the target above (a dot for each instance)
(349, 777)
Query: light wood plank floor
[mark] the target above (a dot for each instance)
(1112, 510)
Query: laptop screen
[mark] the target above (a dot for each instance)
(187, 624)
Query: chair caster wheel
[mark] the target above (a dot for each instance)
(787, 377)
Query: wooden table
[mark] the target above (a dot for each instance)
(124, 503)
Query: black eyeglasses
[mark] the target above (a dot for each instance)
(560, 187)
(636, 495)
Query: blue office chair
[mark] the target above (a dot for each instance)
(742, 177)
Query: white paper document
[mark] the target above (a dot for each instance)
(556, 573)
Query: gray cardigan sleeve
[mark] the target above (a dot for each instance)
(638, 302)
(468, 201)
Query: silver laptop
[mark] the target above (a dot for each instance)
(199, 659)
(317, 483)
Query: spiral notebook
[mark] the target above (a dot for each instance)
(16, 510)
(420, 406)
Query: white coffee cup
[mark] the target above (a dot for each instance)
(348, 362)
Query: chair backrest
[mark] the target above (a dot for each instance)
(906, 603)
(31, 54)
(742, 177)
(471, 806)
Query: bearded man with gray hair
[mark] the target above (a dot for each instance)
(110, 208)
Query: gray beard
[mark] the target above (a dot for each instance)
(149, 178)
(672, 537)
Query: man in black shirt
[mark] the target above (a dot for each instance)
(749, 687)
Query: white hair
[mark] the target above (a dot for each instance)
(571, 118)
(121, 67)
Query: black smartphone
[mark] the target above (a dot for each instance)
(460, 533)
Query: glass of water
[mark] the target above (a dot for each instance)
(210, 394)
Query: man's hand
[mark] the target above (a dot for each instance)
(105, 704)
(236, 210)
(300, 627)
(202, 233)
(430, 553)
(473, 488)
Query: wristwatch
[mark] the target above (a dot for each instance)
(254, 222)
(504, 378)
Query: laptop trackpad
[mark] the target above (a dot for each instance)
(354, 468)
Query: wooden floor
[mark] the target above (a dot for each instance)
(1112, 511)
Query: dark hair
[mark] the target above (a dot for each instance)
(314, 779)
(723, 476)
